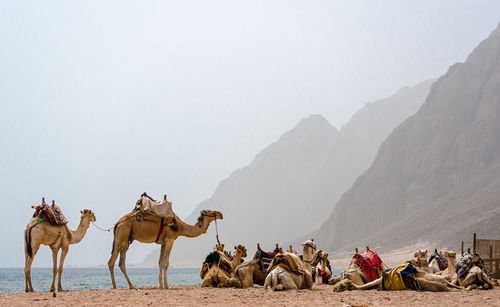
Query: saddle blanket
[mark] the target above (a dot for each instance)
(369, 263)
(291, 260)
(53, 213)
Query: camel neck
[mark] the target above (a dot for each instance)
(80, 231)
(307, 256)
(192, 231)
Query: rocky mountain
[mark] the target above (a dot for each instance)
(436, 178)
(289, 188)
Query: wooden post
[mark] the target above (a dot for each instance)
(474, 244)
(468, 250)
(357, 250)
(491, 257)
(462, 248)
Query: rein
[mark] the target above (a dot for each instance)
(108, 230)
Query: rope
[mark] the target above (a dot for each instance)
(108, 230)
(38, 222)
(216, 231)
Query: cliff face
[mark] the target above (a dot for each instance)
(436, 178)
(289, 188)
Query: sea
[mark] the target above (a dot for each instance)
(12, 279)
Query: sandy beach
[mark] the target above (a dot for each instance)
(195, 295)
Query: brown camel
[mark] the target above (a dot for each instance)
(57, 237)
(251, 272)
(147, 230)
(425, 282)
(281, 276)
(355, 274)
(215, 276)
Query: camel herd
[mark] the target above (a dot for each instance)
(154, 221)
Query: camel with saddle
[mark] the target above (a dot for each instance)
(254, 271)
(321, 269)
(470, 273)
(48, 226)
(159, 225)
(288, 271)
(218, 268)
(363, 269)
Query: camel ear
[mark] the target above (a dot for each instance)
(81, 211)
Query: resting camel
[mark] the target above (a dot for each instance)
(281, 276)
(321, 267)
(425, 282)
(57, 237)
(420, 262)
(129, 228)
(473, 276)
(355, 274)
(215, 276)
(251, 272)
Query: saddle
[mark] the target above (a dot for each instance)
(53, 213)
(369, 263)
(266, 257)
(289, 261)
(440, 260)
(216, 258)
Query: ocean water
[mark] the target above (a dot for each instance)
(12, 279)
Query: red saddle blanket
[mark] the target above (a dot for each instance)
(369, 263)
(53, 213)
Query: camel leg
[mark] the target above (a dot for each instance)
(368, 286)
(121, 264)
(166, 261)
(29, 261)
(64, 252)
(160, 266)
(111, 264)
(55, 251)
(27, 273)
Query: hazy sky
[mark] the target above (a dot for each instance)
(102, 100)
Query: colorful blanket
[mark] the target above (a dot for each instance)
(400, 278)
(466, 262)
(441, 260)
(369, 263)
(53, 213)
(266, 257)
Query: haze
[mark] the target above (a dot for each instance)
(101, 101)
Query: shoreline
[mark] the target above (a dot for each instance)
(196, 295)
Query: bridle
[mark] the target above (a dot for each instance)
(214, 215)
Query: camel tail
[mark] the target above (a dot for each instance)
(114, 238)
(27, 240)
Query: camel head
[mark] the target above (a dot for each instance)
(86, 213)
(421, 254)
(240, 249)
(450, 254)
(211, 214)
(310, 244)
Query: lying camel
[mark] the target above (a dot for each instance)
(251, 272)
(287, 271)
(355, 274)
(420, 262)
(417, 280)
(471, 275)
(321, 267)
(220, 272)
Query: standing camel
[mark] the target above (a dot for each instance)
(39, 231)
(129, 228)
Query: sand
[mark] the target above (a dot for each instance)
(195, 295)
